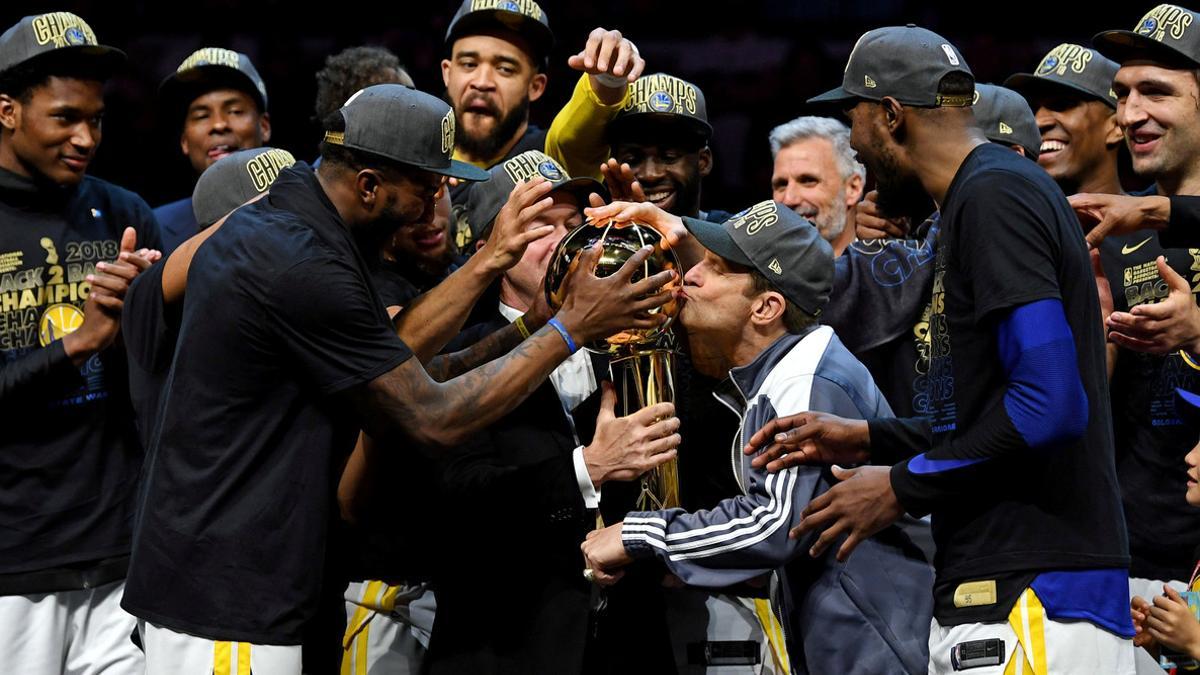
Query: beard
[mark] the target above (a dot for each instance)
(491, 143)
(832, 222)
(900, 194)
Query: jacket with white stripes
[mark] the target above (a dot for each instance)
(869, 614)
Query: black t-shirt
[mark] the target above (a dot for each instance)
(1151, 439)
(1009, 238)
(238, 495)
(70, 457)
(149, 328)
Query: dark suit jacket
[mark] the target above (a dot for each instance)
(511, 595)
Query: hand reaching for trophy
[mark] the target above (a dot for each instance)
(594, 308)
(624, 448)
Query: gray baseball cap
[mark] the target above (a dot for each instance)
(234, 180)
(486, 199)
(61, 34)
(784, 247)
(904, 62)
(404, 125)
(665, 98)
(524, 17)
(1071, 68)
(1005, 117)
(1164, 34)
(207, 69)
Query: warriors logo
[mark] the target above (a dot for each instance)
(1165, 21)
(550, 170)
(57, 321)
(62, 29)
(1063, 57)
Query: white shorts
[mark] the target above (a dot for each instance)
(1034, 645)
(82, 632)
(172, 653)
(387, 628)
(1150, 589)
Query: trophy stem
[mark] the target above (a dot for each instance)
(646, 379)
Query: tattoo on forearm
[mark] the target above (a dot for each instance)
(447, 366)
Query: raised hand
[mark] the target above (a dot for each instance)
(611, 62)
(871, 223)
(622, 184)
(511, 232)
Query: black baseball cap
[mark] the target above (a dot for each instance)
(207, 69)
(56, 35)
(403, 125)
(523, 17)
(666, 99)
(1072, 68)
(1164, 34)
(486, 199)
(234, 180)
(904, 62)
(784, 247)
(1005, 117)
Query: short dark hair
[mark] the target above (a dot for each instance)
(21, 80)
(350, 70)
(795, 320)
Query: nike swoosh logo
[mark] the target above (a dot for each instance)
(1126, 250)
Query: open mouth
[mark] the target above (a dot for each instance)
(663, 199)
(218, 151)
(1143, 142)
(431, 239)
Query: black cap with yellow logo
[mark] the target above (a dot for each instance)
(523, 17)
(59, 35)
(1005, 117)
(486, 199)
(1164, 34)
(234, 180)
(207, 69)
(663, 98)
(784, 247)
(906, 63)
(403, 125)
(1071, 67)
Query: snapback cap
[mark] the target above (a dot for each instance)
(59, 35)
(403, 125)
(207, 69)
(1166, 33)
(664, 98)
(234, 180)
(524, 17)
(1005, 117)
(784, 247)
(486, 199)
(904, 62)
(1069, 68)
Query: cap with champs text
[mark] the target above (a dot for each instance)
(57, 34)
(486, 199)
(1005, 117)
(667, 99)
(1072, 69)
(1165, 34)
(523, 17)
(207, 69)
(784, 247)
(403, 125)
(234, 180)
(906, 63)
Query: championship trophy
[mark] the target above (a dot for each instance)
(641, 361)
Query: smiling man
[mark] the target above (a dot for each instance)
(70, 456)
(218, 98)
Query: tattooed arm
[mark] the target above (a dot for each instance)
(434, 318)
(409, 401)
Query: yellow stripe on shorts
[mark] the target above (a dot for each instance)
(243, 659)
(774, 633)
(222, 656)
(1028, 620)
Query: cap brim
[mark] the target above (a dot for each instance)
(715, 238)
(1030, 85)
(109, 59)
(833, 96)
(1125, 45)
(462, 171)
(177, 85)
(697, 126)
(582, 188)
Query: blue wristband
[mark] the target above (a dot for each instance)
(557, 325)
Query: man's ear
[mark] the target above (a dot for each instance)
(264, 127)
(893, 113)
(537, 86)
(767, 308)
(479, 243)
(10, 112)
(1113, 136)
(706, 160)
(854, 189)
(446, 73)
(366, 185)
